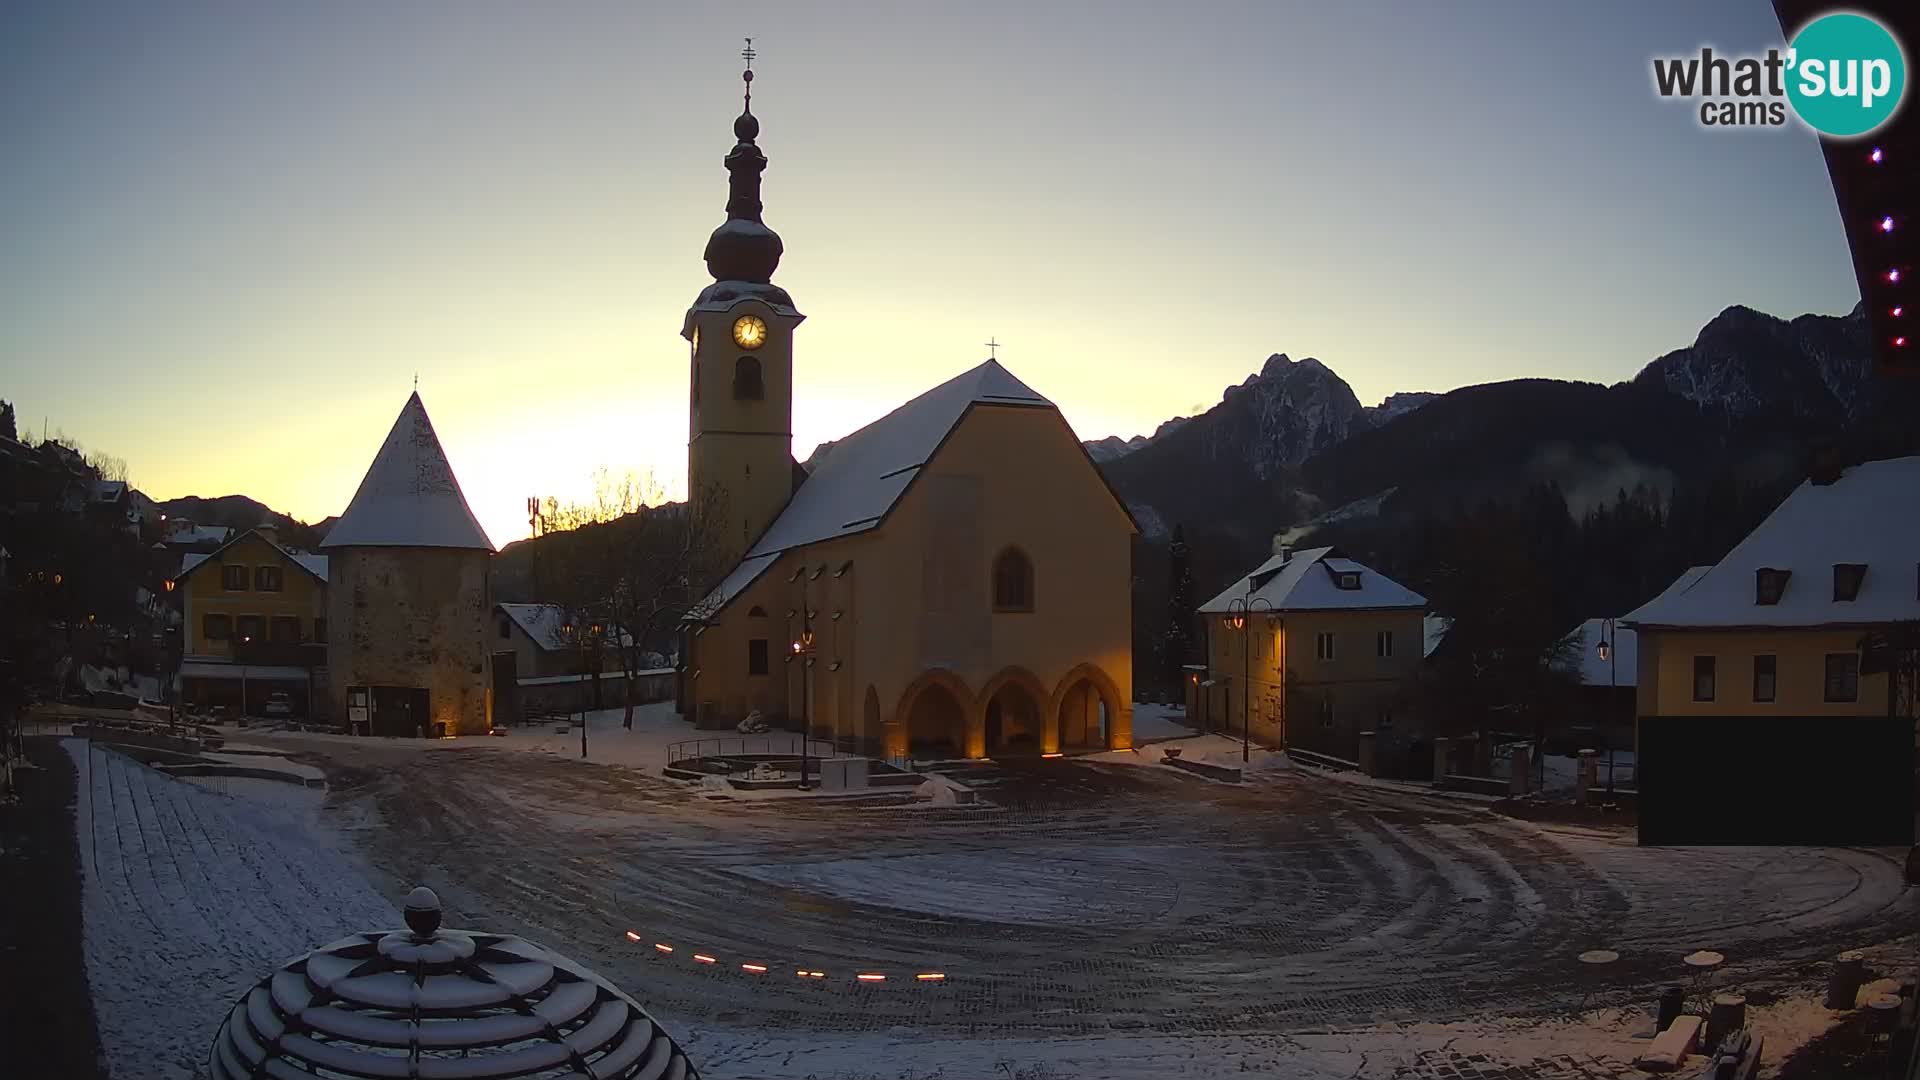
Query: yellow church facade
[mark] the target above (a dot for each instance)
(952, 580)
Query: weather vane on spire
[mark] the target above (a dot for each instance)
(748, 54)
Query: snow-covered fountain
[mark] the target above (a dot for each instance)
(429, 1002)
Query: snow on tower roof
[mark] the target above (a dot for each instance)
(410, 497)
(1868, 517)
(1285, 581)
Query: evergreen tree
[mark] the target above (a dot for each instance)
(1177, 645)
(7, 428)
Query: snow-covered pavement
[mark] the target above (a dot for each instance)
(192, 895)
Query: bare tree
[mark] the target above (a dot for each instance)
(633, 563)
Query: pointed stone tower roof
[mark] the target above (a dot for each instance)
(409, 497)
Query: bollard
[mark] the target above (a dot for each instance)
(1728, 1015)
(1589, 775)
(1366, 755)
(1843, 985)
(1885, 1009)
(1672, 998)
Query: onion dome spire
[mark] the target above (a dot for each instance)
(744, 249)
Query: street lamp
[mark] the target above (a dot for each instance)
(1611, 655)
(1238, 610)
(244, 640)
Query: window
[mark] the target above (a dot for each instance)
(216, 627)
(320, 630)
(1326, 713)
(1323, 645)
(756, 612)
(233, 578)
(250, 627)
(285, 630)
(1843, 676)
(1012, 581)
(1765, 669)
(746, 379)
(1383, 643)
(1347, 579)
(1769, 585)
(1383, 720)
(1846, 580)
(266, 578)
(506, 629)
(1703, 678)
(757, 656)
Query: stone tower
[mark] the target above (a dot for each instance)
(740, 467)
(408, 596)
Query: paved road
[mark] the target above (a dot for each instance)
(1093, 899)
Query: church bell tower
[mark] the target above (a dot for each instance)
(740, 469)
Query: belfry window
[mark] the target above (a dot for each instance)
(746, 379)
(1012, 581)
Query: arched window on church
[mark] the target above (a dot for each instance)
(1012, 581)
(746, 379)
(756, 612)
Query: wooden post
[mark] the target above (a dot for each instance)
(1442, 751)
(1728, 1015)
(1843, 985)
(1522, 772)
(1366, 755)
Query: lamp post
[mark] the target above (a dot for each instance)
(1608, 632)
(803, 648)
(244, 640)
(1238, 611)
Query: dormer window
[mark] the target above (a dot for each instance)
(1347, 579)
(1847, 578)
(1769, 585)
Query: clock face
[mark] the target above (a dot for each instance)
(749, 331)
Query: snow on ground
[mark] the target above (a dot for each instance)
(195, 891)
(1210, 749)
(1154, 723)
(656, 727)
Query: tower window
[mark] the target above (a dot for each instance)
(746, 379)
(1012, 581)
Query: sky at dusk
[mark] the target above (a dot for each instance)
(234, 233)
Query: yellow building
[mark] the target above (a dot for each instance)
(1309, 650)
(254, 617)
(1776, 626)
(953, 579)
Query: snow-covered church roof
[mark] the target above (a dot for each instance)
(410, 497)
(856, 483)
(1310, 580)
(1868, 517)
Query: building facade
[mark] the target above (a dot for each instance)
(1309, 650)
(410, 600)
(253, 623)
(952, 580)
(1780, 625)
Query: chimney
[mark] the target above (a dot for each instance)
(1281, 547)
(1824, 464)
(268, 531)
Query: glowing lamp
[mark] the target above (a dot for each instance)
(662, 947)
(1606, 650)
(1893, 276)
(1875, 156)
(1886, 224)
(170, 584)
(1896, 313)
(870, 978)
(757, 969)
(631, 936)
(1899, 343)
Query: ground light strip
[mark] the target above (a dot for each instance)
(802, 973)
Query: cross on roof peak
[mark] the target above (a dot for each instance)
(993, 348)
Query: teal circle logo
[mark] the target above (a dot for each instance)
(1845, 74)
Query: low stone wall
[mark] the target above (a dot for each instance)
(571, 693)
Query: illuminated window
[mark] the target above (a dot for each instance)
(1769, 585)
(1847, 578)
(216, 627)
(746, 379)
(1703, 670)
(1012, 581)
(757, 656)
(1765, 669)
(234, 578)
(1843, 677)
(266, 578)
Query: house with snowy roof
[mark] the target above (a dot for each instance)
(1779, 625)
(410, 604)
(1309, 649)
(253, 623)
(951, 580)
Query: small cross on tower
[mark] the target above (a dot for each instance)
(993, 349)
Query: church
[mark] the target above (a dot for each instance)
(952, 580)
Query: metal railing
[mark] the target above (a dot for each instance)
(770, 744)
